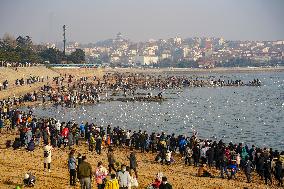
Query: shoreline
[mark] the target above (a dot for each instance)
(11, 74)
(199, 70)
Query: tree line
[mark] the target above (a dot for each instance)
(23, 50)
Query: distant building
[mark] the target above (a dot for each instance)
(146, 60)
(208, 44)
(119, 37)
(166, 54)
(50, 45)
(114, 58)
(221, 41)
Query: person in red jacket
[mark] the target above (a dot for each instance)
(64, 134)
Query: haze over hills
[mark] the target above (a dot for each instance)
(91, 21)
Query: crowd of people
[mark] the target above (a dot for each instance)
(229, 159)
(17, 64)
(69, 92)
(23, 81)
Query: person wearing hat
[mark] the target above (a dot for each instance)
(165, 184)
(85, 174)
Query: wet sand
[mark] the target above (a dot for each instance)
(13, 165)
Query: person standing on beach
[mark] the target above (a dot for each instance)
(72, 163)
(57, 127)
(112, 183)
(196, 155)
(267, 171)
(37, 136)
(279, 172)
(188, 155)
(1, 124)
(99, 144)
(92, 142)
(133, 162)
(248, 169)
(101, 174)
(47, 156)
(123, 177)
(111, 160)
(85, 174)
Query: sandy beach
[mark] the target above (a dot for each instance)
(13, 165)
(11, 74)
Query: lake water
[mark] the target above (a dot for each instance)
(253, 115)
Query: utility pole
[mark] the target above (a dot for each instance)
(64, 39)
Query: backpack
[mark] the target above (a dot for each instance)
(45, 154)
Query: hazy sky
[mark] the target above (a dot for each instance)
(140, 20)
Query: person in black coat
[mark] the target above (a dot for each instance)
(260, 166)
(165, 184)
(133, 163)
(210, 156)
(99, 145)
(248, 169)
(196, 155)
(278, 172)
(267, 171)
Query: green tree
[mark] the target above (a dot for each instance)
(77, 57)
(7, 50)
(53, 56)
(25, 49)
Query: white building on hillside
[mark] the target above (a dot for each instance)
(146, 60)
